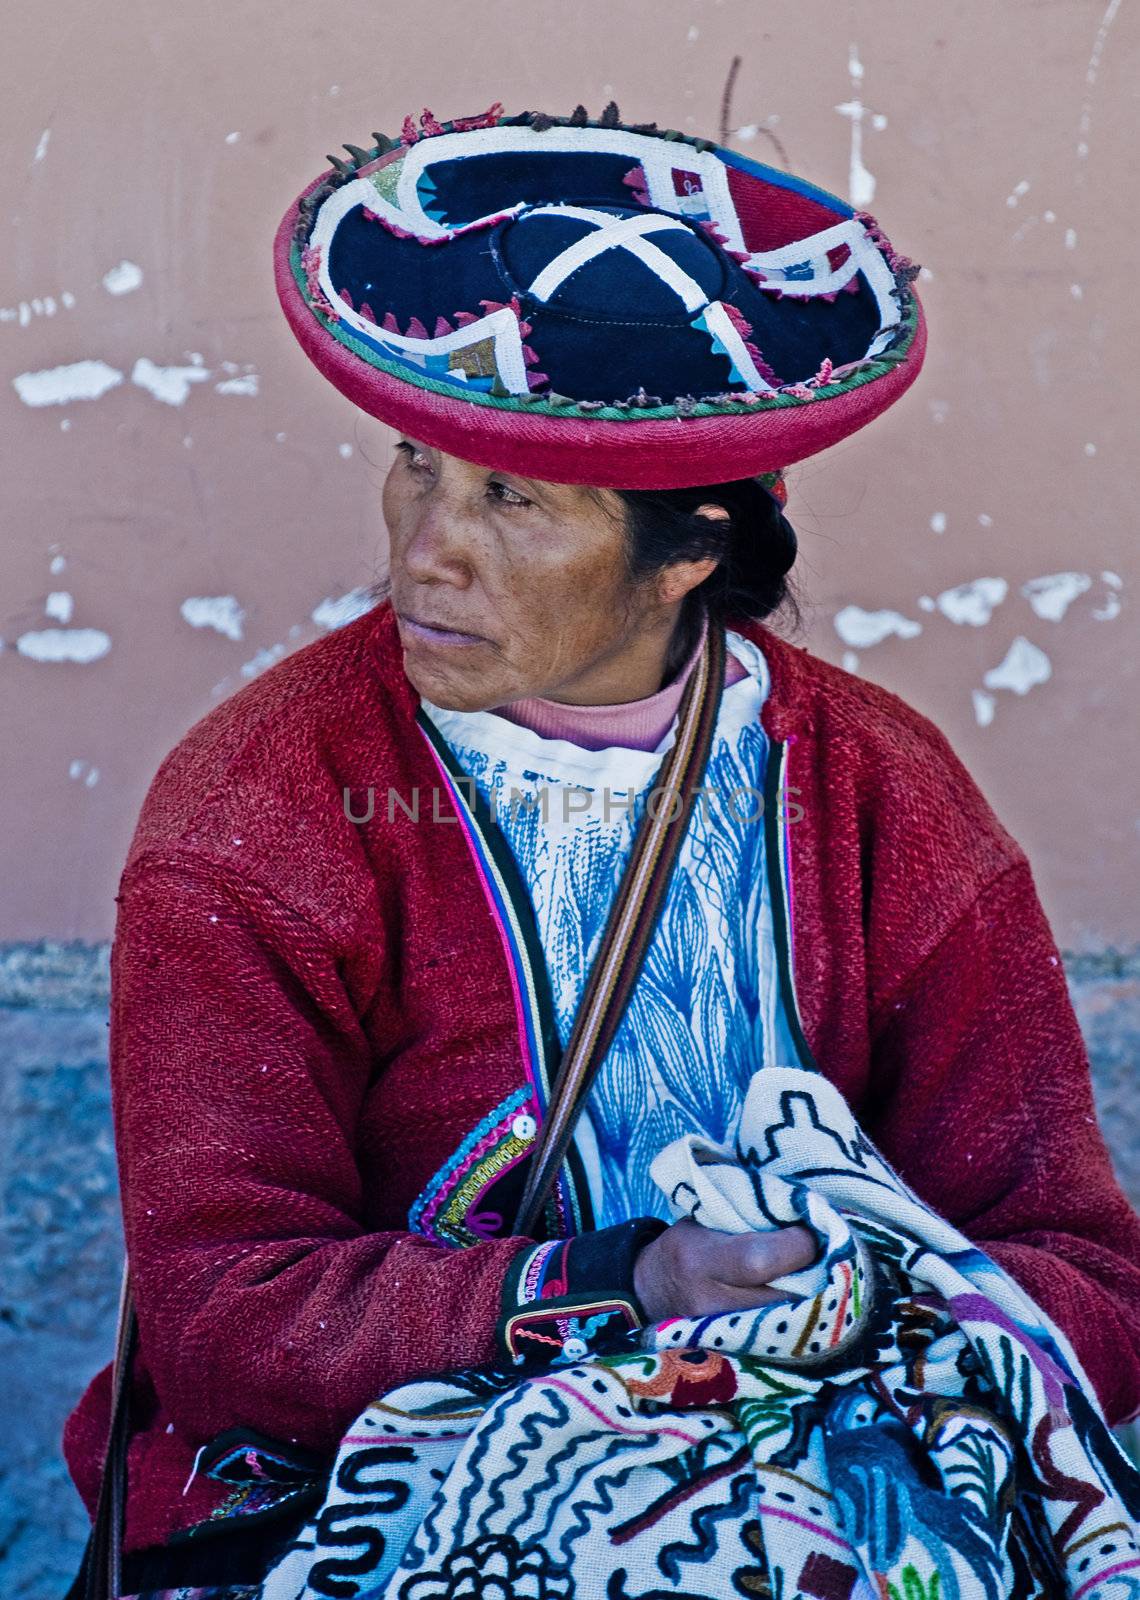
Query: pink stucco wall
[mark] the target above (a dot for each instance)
(150, 149)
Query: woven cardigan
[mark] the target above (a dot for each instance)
(310, 1013)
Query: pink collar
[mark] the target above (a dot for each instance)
(634, 724)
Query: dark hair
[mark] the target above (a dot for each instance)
(754, 546)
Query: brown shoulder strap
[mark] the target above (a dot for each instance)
(633, 917)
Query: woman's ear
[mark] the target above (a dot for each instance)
(675, 580)
(680, 576)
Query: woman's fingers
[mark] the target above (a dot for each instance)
(695, 1271)
(757, 1258)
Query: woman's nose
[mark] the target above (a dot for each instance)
(436, 548)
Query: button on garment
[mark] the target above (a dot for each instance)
(707, 1011)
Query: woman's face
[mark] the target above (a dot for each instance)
(505, 587)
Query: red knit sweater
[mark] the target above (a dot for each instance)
(308, 1014)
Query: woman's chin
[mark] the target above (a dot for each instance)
(454, 690)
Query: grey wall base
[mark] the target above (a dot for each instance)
(60, 1241)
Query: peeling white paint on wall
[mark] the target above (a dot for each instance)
(81, 645)
(1112, 602)
(220, 612)
(925, 603)
(232, 138)
(246, 384)
(1019, 189)
(257, 664)
(84, 770)
(974, 602)
(171, 385)
(860, 181)
(57, 564)
(334, 612)
(1084, 126)
(123, 279)
(850, 661)
(1052, 595)
(984, 521)
(59, 605)
(938, 522)
(344, 451)
(45, 305)
(983, 708)
(860, 629)
(59, 386)
(1024, 666)
(41, 147)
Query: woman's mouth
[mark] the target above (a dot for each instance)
(430, 633)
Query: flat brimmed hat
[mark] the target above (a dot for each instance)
(595, 302)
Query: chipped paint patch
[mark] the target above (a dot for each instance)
(850, 661)
(860, 180)
(246, 384)
(59, 386)
(257, 664)
(983, 708)
(59, 605)
(335, 612)
(344, 451)
(1112, 603)
(1024, 666)
(84, 770)
(973, 603)
(938, 522)
(123, 279)
(41, 147)
(1084, 126)
(45, 305)
(1019, 190)
(220, 612)
(57, 564)
(1052, 595)
(81, 645)
(232, 138)
(860, 629)
(171, 385)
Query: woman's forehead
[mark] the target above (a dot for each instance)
(565, 493)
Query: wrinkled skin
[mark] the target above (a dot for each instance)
(530, 580)
(538, 572)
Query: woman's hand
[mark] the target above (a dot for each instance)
(691, 1271)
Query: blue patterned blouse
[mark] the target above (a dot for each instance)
(707, 1010)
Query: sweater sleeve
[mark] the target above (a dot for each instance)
(981, 1099)
(239, 1069)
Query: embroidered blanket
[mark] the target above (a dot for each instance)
(904, 1424)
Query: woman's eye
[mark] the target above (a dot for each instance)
(505, 490)
(414, 458)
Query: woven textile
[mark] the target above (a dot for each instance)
(904, 1425)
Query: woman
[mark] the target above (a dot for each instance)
(364, 895)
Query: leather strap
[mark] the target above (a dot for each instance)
(634, 914)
